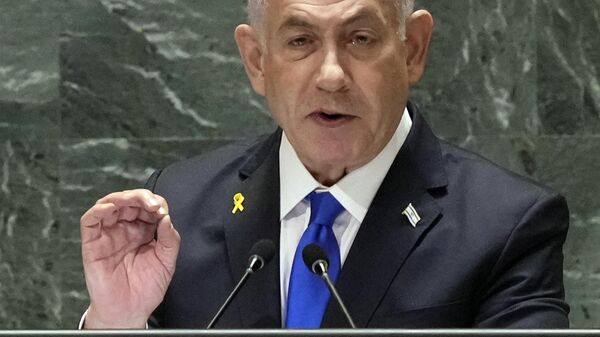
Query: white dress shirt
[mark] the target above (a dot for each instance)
(355, 192)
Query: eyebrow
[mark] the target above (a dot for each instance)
(364, 13)
(367, 14)
(295, 21)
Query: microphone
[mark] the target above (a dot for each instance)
(260, 254)
(317, 261)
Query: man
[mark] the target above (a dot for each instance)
(426, 235)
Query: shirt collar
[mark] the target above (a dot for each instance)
(355, 191)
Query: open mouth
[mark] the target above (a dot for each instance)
(330, 117)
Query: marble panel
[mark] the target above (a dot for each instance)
(43, 117)
(31, 241)
(29, 55)
(569, 66)
(155, 69)
(481, 75)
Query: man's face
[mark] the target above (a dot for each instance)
(335, 79)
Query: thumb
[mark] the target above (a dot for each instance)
(167, 242)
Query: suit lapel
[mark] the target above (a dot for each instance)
(258, 301)
(386, 237)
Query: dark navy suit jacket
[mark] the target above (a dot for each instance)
(487, 252)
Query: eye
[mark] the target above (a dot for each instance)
(361, 39)
(299, 41)
(299, 45)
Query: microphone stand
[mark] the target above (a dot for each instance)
(256, 262)
(320, 267)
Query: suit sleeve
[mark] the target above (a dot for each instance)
(525, 288)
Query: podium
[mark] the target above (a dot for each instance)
(308, 333)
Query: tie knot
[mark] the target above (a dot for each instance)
(324, 208)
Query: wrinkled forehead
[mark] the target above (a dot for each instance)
(280, 12)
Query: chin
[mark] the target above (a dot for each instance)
(338, 158)
(332, 153)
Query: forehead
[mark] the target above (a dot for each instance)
(280, 11)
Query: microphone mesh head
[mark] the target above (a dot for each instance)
(312, 253)
(264, 249)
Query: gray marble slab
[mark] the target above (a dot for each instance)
(156, 69)
(569, 64)
(30, 233)
(481, 77)
(28, 54)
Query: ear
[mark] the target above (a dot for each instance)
(251, 52)
(419, 28)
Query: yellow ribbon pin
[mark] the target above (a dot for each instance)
(238, 200)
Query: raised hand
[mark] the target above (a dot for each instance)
(129, 249)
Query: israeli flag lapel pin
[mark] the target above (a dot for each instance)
(411, 213)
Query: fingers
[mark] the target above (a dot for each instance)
(138, 198)
(131, 214)
(168, 241)
(127, 206)
(138, 205)
(93, 220)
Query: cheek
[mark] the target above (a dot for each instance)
(275, 92)
(287, 88)
(389, 83)
(384, 90)
(282, 101)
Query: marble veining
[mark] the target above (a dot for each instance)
(171, 96)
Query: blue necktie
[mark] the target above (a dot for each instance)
(307, 293)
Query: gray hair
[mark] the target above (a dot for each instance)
(257, 8)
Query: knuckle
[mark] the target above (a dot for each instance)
(162, 200)
(102, 200)
(142, 194)
(85, 216)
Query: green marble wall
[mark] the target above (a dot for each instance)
(96, 94)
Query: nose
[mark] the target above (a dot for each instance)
(331, 76)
